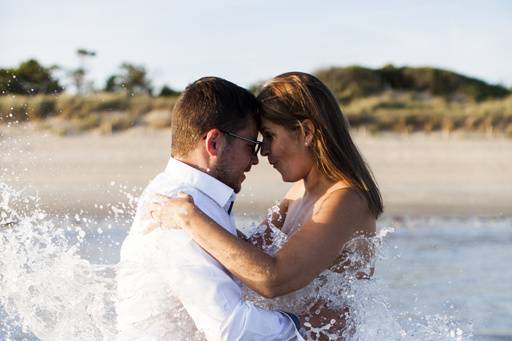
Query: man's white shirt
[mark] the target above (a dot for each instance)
(168, 285)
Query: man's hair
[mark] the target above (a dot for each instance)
(208, 103)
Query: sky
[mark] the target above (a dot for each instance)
(250, 41)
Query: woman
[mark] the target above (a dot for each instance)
(333, 202)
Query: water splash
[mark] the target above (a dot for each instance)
(50, 291)
(359, 309)
(267, 236)
(46, 289)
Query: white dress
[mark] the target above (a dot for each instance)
(330, 287)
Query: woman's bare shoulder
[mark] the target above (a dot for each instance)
(342, 192)
(343, 203)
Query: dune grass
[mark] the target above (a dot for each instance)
(66, 114)
(409, 112)
(391, 111)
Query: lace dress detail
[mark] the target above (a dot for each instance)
(332, 287)
(325, 285)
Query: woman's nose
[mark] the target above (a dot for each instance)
(265, 147)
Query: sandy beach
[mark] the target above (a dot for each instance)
(419, 174)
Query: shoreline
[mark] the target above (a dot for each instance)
(420, 175)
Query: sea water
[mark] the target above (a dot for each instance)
(435, 279)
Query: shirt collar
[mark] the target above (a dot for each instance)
(221, 193)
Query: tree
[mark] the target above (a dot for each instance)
(168, 92)
(7, 80)
(132, 78)
(78, 75)
(112, 84)
(29, 78)
(255, 88)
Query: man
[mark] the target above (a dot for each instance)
(169, 288)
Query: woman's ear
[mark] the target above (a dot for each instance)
(308, 129)
(212, 142)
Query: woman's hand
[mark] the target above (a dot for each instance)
(172, 213)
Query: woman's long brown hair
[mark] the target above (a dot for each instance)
(292, 97)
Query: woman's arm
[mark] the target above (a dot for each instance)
(307, 253)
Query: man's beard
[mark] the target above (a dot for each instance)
(223, 173)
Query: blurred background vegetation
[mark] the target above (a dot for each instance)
(396, 99)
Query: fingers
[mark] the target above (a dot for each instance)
(161, 199)
(167, 212)
(155, 210)
(150, 227)
(180, 194)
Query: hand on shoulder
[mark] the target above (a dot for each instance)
(171, 213)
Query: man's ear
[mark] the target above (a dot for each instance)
(212, 141)
(308, 129)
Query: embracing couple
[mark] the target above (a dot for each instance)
(186, 272)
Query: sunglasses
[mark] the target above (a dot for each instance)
(256, 144)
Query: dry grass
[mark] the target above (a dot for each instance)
(407, 112)
(104, 112)
(392, 111)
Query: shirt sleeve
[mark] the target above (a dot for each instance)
(213, 299)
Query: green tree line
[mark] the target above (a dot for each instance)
(33, 78)
(351, 82)
(347, 83)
